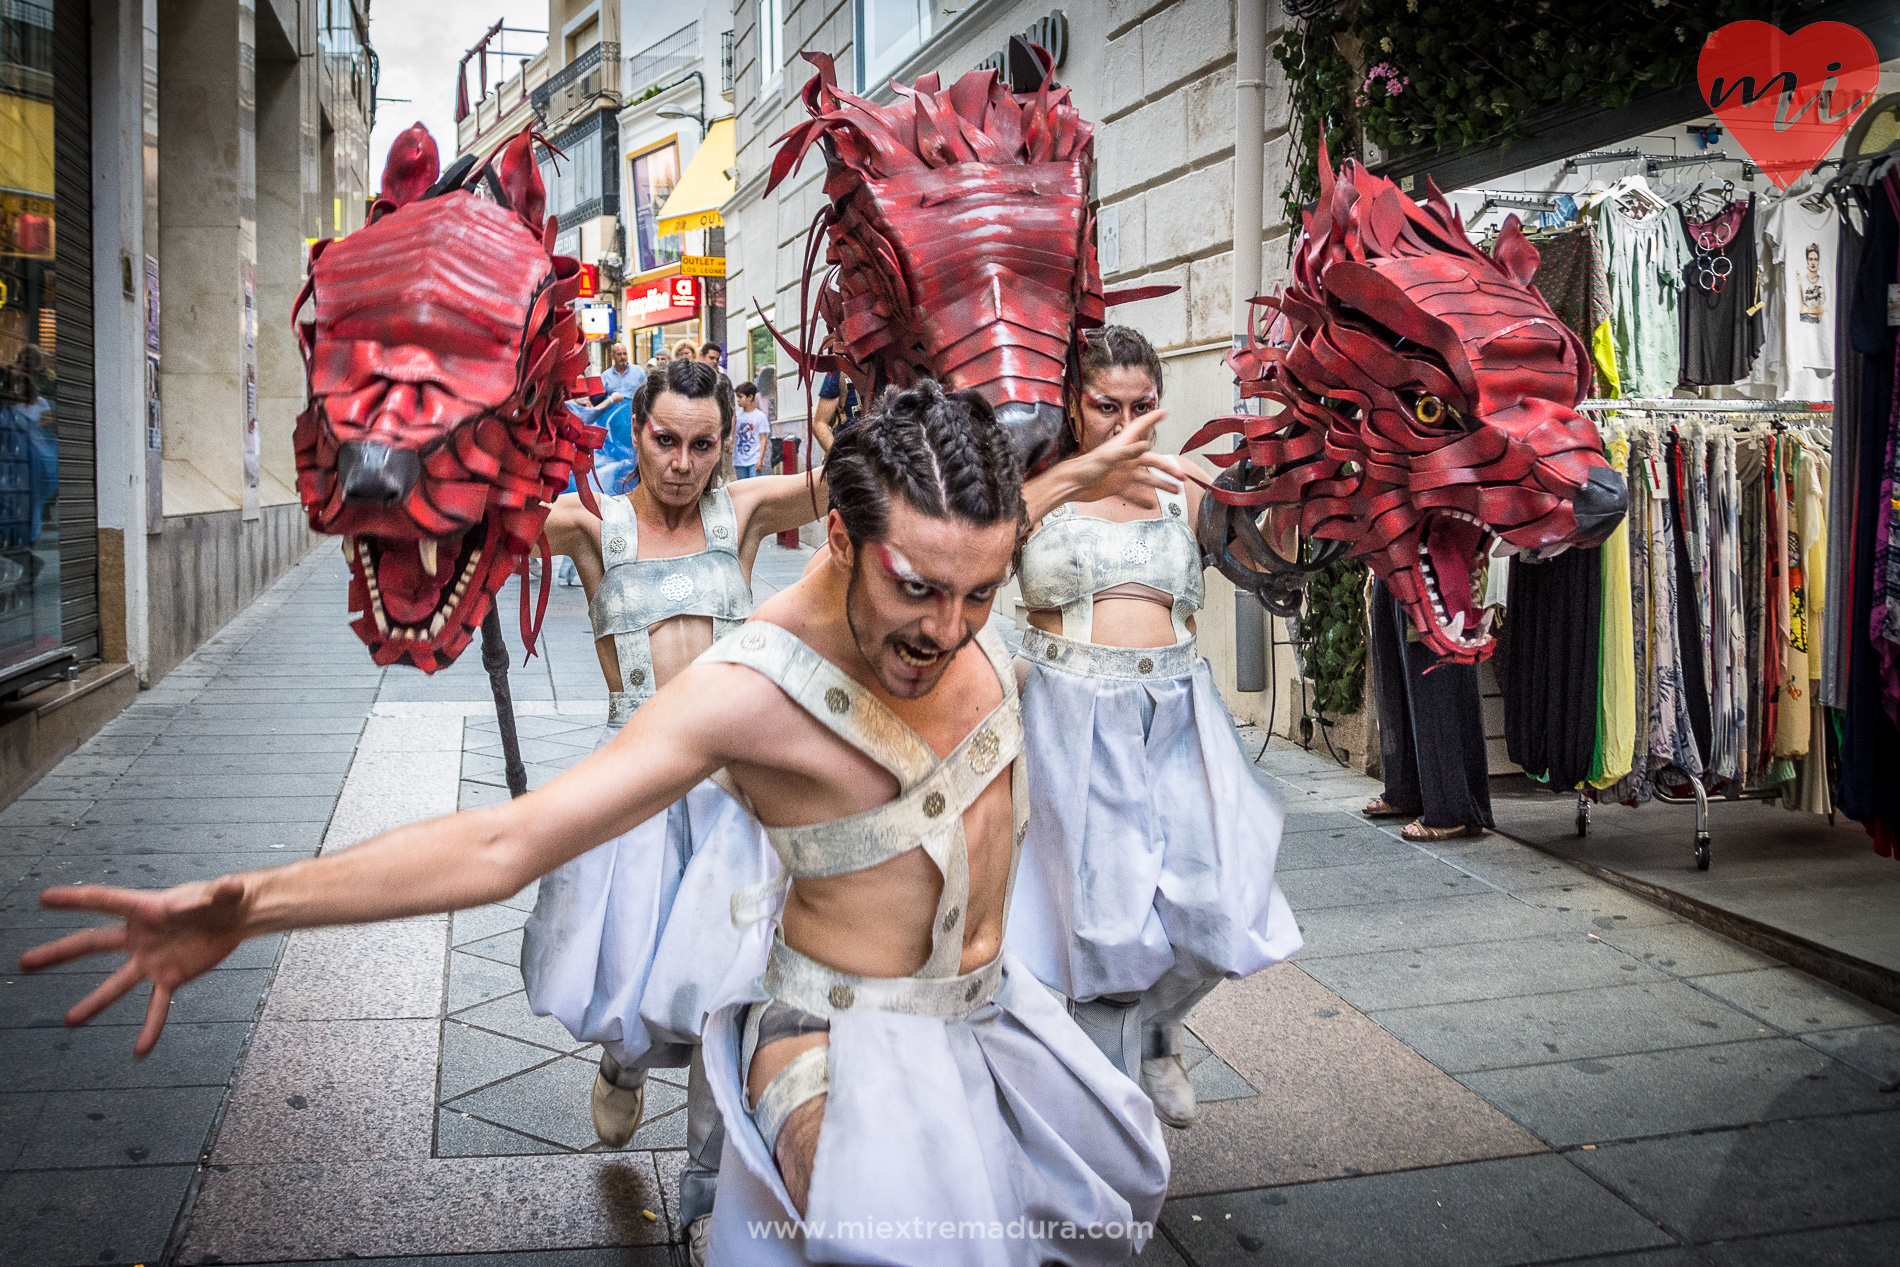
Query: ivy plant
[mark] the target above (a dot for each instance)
(1331, 629)
(1410, 75)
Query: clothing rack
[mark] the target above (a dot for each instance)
(1655, 165)
(1597, 158)
(1699, 795)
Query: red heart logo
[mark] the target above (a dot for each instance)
(1787, 98)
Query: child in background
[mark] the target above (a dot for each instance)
(749, 430)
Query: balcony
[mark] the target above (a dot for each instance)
(505, 109)
(658, 63)
(578, 83)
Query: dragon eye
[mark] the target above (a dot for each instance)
(1431, 411)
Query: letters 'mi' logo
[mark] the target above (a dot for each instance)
(1787, 98)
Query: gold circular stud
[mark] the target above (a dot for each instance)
(933, 805)
(837, 701)
(841, 997)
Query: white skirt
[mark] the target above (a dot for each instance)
(1151, 844)
(944, 1142)
(630, 942)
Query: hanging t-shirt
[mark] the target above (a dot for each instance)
(1801, 243)
(1721, 320)
(1644, 259)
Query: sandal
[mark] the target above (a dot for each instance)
(1419, 834)
(1379, 807)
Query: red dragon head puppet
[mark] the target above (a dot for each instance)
(438, 358)
(1428, 398)
(959, 239)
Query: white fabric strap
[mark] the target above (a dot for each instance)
(802, 982)
(831, 695)
(805, 1078)
(1087, 659)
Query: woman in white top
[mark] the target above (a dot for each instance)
(1147, 873)
(630, 941)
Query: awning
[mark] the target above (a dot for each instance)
(695, 201)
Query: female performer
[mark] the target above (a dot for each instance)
(1147, 874)
(629, 942)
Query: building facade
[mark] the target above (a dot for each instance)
(167, 164)
(1158, 79)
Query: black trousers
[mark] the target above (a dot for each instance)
(1431, 725)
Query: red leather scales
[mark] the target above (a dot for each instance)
(439, 351)
(959, 243)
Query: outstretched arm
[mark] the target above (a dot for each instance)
(463, 860)
(1122, 461)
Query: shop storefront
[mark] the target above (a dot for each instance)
(661, 312)
(1697, 710)
(48, 551)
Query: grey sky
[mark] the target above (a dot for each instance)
(420, 42)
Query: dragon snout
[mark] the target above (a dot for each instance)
(1034, 429)
(375, 474)
(1600, 504)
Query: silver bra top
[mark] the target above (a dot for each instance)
(636, 594)
(1071, 558)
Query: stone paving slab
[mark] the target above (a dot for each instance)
(1775, 1177)
(1516, 1210)
(1686, 1089)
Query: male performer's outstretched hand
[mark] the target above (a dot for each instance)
(170, 936)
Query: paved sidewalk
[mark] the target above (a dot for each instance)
(1483, 1056)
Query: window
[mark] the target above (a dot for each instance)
(29, 333)
(888, 32)
(771, 40)
(653, 176)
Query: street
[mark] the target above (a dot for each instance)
(1482, 1056)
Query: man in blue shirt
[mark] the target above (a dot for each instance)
(622, 379)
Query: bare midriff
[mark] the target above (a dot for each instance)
(677, 642)
(1130, 615)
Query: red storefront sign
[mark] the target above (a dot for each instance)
(657, 303)
(590, 280)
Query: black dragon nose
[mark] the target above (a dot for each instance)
(1034, 430)
(375, 474)
(1601, 504)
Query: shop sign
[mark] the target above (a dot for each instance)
(1052, 32)
(1762, 83)
(590, 280)
(597, 320)
(657, 303)
(703, 265)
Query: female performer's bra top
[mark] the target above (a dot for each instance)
(635, 593)
(1072, 560)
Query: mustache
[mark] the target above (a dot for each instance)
(930, 646)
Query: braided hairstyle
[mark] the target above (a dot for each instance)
(943, 452)
(1111, 348)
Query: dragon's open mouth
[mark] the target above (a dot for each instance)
(1454, 551)
(416, 586)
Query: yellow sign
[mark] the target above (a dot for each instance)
(687, 223)
(703, 265)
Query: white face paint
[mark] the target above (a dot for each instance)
(898, 566)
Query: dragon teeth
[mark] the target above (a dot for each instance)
(426, 549)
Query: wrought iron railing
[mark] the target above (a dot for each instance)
(575, 82)
(725, 63)
(657, 63)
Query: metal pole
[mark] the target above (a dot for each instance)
(1250, 142)
(495, 660)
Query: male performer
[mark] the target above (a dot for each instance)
(962, 1115)
(629, 942)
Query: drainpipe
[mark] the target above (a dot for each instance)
(1250, 142)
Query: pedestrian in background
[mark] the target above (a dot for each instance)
(748, 433)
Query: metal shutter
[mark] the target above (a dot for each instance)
(72, 262)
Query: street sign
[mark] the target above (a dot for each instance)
(703, 265)
(590, 280)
